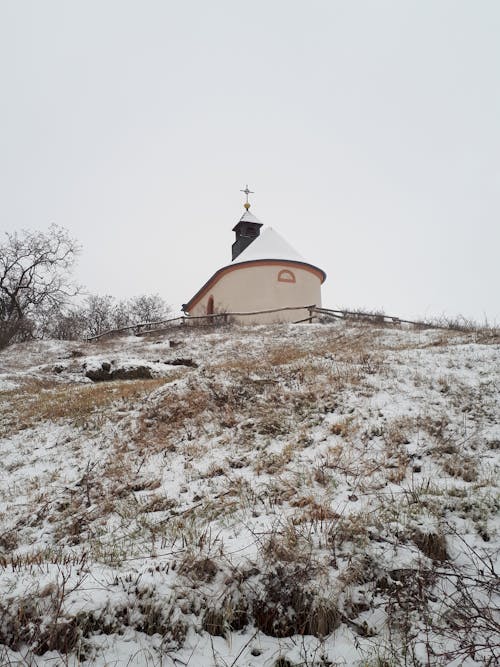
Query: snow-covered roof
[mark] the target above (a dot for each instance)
(249, 217)
(269, 245)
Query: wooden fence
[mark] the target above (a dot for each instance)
(314, 313)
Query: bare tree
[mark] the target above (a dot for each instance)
(104, 313)
(34, 276)
(68, 323)
(148, 308)
(99, 314)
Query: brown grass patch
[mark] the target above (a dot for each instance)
(288, 605)
(285, 354)
(312, 511)
(432, 545)
(464, 467)
(38, 401)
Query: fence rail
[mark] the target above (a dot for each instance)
(214, 317)
(315, 312)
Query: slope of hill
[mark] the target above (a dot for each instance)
(282, 496)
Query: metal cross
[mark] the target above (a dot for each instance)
(247, 192)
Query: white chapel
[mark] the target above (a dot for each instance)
(265, 274)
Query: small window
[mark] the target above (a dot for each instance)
(210, 306)
(286, 276)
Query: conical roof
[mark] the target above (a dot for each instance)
(269, 245)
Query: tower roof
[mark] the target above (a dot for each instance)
(269, 245)
(249, 217)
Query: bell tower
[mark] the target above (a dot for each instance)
(247, 229)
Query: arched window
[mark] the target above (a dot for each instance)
(286, 276)
(210, 306)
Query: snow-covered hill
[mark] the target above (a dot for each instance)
(280, 496)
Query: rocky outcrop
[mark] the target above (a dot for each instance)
(106, 372)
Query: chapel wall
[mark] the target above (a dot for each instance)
(253, 288)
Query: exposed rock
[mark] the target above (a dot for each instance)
(132, 373)
(181, 362)
(105, 374)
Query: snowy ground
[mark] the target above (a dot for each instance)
(279, 496)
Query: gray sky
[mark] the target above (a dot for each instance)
(370, 131)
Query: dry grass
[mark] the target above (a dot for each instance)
(286, 354)
(432, 545)
(288, 604)
(261, 485)
(464, 467)
(38, 401)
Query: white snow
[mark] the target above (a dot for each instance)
(339, 441)
(269, 245)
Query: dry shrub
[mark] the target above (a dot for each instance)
(37, 623)
(344, 428)
(272, 424)
(313, 511)
(269, 405)
(397, 431)
(214, 470)
(198, 569)
(464, 467)
(282, 662)
(9, 541)
(159, 503)
(432, 545)
(324, 617)
(118, 471)
(144, 613)
(396, 472)
(183, 414)
(284, 550)
(41, 557)
(285, 354)
(395, 440)
(271, 464)
(286, 606)
(288, 601)
(214, 622)
(359, 570)
(436, 427)
(407, 590)
(349, 344)
(238, 364)
(290, 545)
(177, 414)
(230, 616)
(355, 528)
(145, 484)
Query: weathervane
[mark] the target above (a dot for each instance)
(247, 192)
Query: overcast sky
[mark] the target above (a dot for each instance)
(369, 130)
